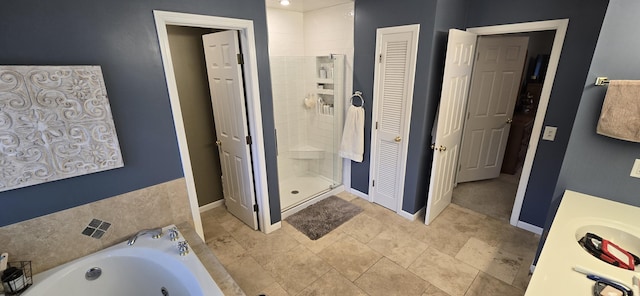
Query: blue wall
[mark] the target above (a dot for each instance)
(435, 18)
(432, 16)
(596, 164)
(120, 36)
(585, 19)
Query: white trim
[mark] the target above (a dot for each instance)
(212, 205)
(413, 217)
(560, 26)
(359, 194)
(404, 147)
(247, 39)
(528, 227)
(346, 174)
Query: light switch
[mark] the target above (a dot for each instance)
(635, 171)
(549, 133)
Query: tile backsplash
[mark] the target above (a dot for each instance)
(57, 238)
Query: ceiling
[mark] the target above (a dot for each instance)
(305, 5)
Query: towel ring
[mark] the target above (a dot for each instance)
(359, 95)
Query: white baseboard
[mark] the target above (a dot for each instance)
(358, 193)
(211, 205)
(528, 227)
(273, 227)
(412, 217)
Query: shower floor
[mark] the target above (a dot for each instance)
(306, 187)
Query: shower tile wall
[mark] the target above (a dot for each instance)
(286, 39)
(286, 32)
(330, 30)
(295, 34)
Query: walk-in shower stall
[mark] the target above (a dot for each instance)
(308, 99)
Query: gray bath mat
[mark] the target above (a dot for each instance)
(324, 216)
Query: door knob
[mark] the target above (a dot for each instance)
(441, 148)
(219, 143)
(509, 120)
(398, 139)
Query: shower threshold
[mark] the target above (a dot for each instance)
(298, 191)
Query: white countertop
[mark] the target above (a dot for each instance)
(580, 213)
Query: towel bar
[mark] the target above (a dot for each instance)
(358, 94)
(600, 81)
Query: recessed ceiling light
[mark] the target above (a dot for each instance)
(284, 2)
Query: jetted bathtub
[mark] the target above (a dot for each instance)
(150, 267)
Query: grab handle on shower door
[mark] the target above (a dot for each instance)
(275, 133)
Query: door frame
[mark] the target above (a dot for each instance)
(248, 48)
(415, 31)
(560, 27)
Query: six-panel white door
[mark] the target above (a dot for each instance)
(494, 90)
(229, 111)
(450, 120)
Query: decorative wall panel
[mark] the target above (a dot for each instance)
(55, 123)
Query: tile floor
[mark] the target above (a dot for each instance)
(377, 253)
(493, 197)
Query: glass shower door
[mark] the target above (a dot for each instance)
(308, 97)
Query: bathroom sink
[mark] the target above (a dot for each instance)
(618, 236)
(578, 214)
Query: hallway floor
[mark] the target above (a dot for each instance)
(377, 253)
(493, 197)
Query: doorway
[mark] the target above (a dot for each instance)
(440, 192)
(247, 39)
(495, 196)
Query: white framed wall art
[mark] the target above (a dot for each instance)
(55, 123)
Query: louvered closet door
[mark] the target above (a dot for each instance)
(393, 93)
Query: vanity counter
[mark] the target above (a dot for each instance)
(580, 213)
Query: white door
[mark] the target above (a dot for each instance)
(230, 116)
(494, 90)
(450, 120)
(396, 51)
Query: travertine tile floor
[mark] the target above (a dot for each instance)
(377, 253)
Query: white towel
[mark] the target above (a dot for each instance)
(620, 116)
(352, 145)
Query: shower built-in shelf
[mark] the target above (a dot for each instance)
(325, 81)
(325, 91)
(306, 152)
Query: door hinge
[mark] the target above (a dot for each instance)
(255, 208)
(477, 55)
(240, 59)
(459, 167)
(380, 58)
(376, 125)
(373, 183)
(249, 142)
